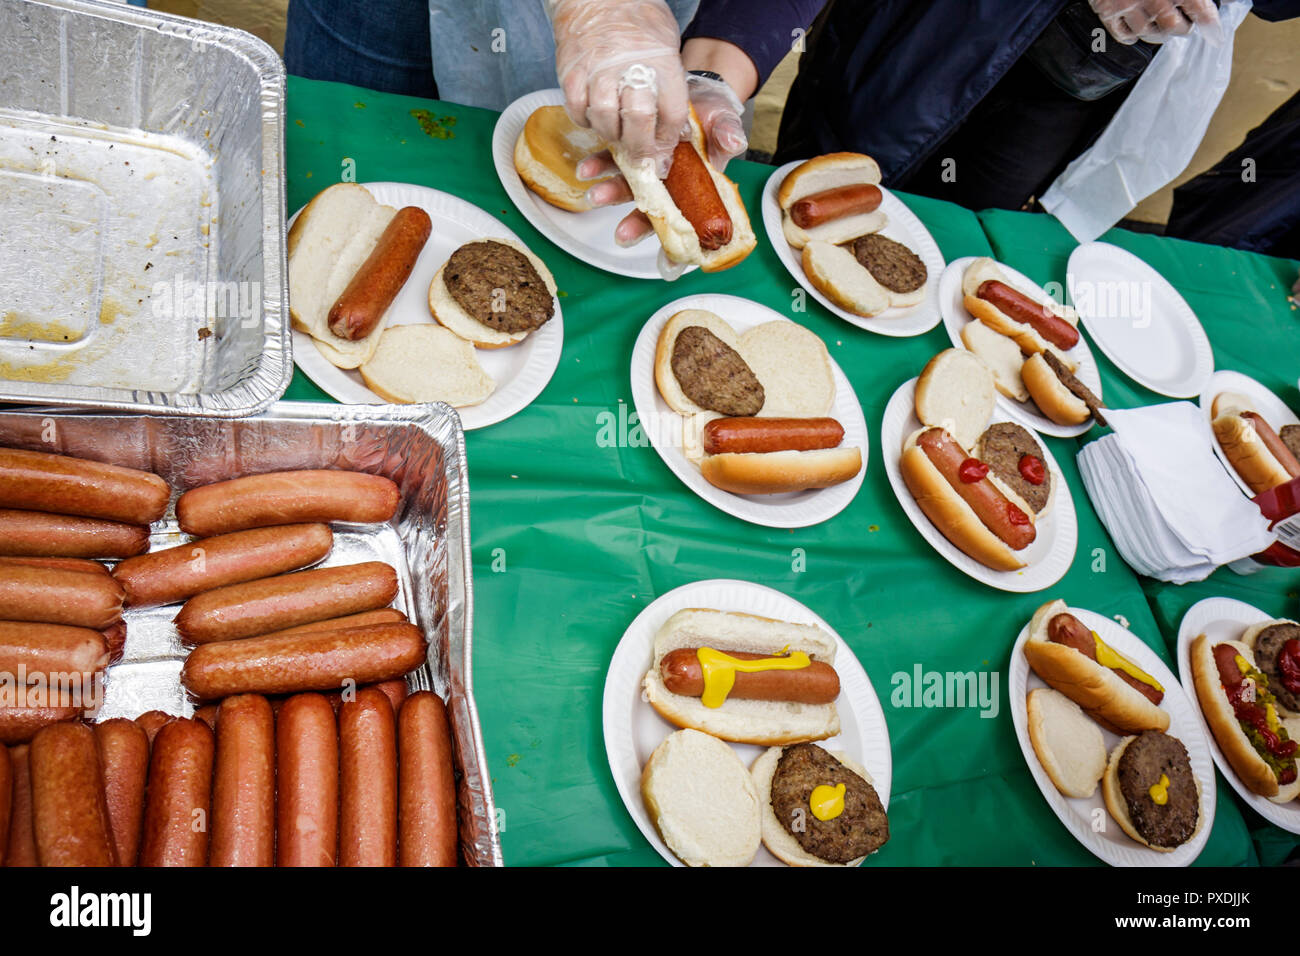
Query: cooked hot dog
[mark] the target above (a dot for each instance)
(46, 650)
(69, 813)
(18, 725)
(56, 596)
(427, 800)
(243, 791)
(175, 574)
(751, 434)
(286, 497)
(177, 804)
(115, 640)
(39, 481)
(990, 505)
(62, 564)
(1272, 441)
(36, 534)
(22, 840)
(376, 284)
(6, 801)
(385, 615)
(299, 662)
(829, 204)
(815, 684)
(696, 195)
(152, 721)
(367, 781)
(307, 782)
(273, 604)
(1069, 630)
(1020, 307)
(124, 756)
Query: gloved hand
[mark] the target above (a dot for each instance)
(719, 112)
(619, 65)
(1153, 20)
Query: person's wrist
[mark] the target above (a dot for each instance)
(728, 61)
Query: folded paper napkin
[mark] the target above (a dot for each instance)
(1172, 509)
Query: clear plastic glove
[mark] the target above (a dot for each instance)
(719, 112)
(619, 65)
(1153, 20)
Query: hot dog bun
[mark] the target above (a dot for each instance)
(956, 391)
(426, 363)
(1250, 767)
(1050, 394)
(329, 241)
(1100, 691)
(1001, 354)
(984, 269)
(448, 312)
(1254, 462)
(1069, 746)
(822, 173)
(547, 153)
(770, 723)
(775, 472)
(675, 231)
(836, 273)
(702, 800)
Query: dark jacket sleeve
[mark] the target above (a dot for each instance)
(1276, 9)
(764, 29)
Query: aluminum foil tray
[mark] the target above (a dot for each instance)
(420, 447)
(141, 212)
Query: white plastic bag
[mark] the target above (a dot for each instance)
(1154, 134)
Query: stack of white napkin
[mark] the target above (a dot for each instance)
(1172, 509)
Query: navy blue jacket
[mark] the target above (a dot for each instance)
(892, 78)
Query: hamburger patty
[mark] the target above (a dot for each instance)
(1001, 447)
(1141, 765)
(890, 263)
(1290, 435)
(1080, 391)
(1268, 644)
(498, 286)
(713, 375)
(861, 829)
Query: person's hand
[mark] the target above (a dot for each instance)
(1153, 20)
(619, 66)
(719, 112)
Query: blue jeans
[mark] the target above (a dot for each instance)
(378, 44)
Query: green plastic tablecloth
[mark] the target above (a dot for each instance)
(571, 538)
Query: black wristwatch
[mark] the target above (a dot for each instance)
(707, 74)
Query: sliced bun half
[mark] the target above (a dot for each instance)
(1100, 691)
(547, 153)
(426, 363)
(1050, 394)
(702, 800)
(1068, 743)
(776, 472)
(829, 172)
(776, 838)
(1250, 767)
(1001, 354)
(675, 232)
(956, 390)
(836, 273)
(769, 723)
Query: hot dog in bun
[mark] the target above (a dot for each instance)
(744, 678)
(1074, 659)
(1255, 450)
(833, 198)
(1244, 717)
(696, 211)
(989, 296)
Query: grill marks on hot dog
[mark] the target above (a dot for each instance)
(990, 505)
(815, 684)
(1016, 305)
(695, 193)
(742, 435)
(820, 208)
(375, 285)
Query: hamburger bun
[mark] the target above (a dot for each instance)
(1069, 745)
(448, 312)
(676, 233)
(426, 363)
(547, 152)
(1100, 691)
(836, 273)
(956, 390)
(829, 172)
(1117, 806)
(769, 723)
(702, 800)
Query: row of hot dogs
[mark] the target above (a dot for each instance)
(303, 781)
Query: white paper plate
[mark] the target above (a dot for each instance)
(903, 226)
(633, 729)
(1224, 619)
(797, 509)
(1112, 844)
(1052, 552)
(520, 371)
(955, 318)
(1274, 410)
(587, 236)
(1139, 321)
